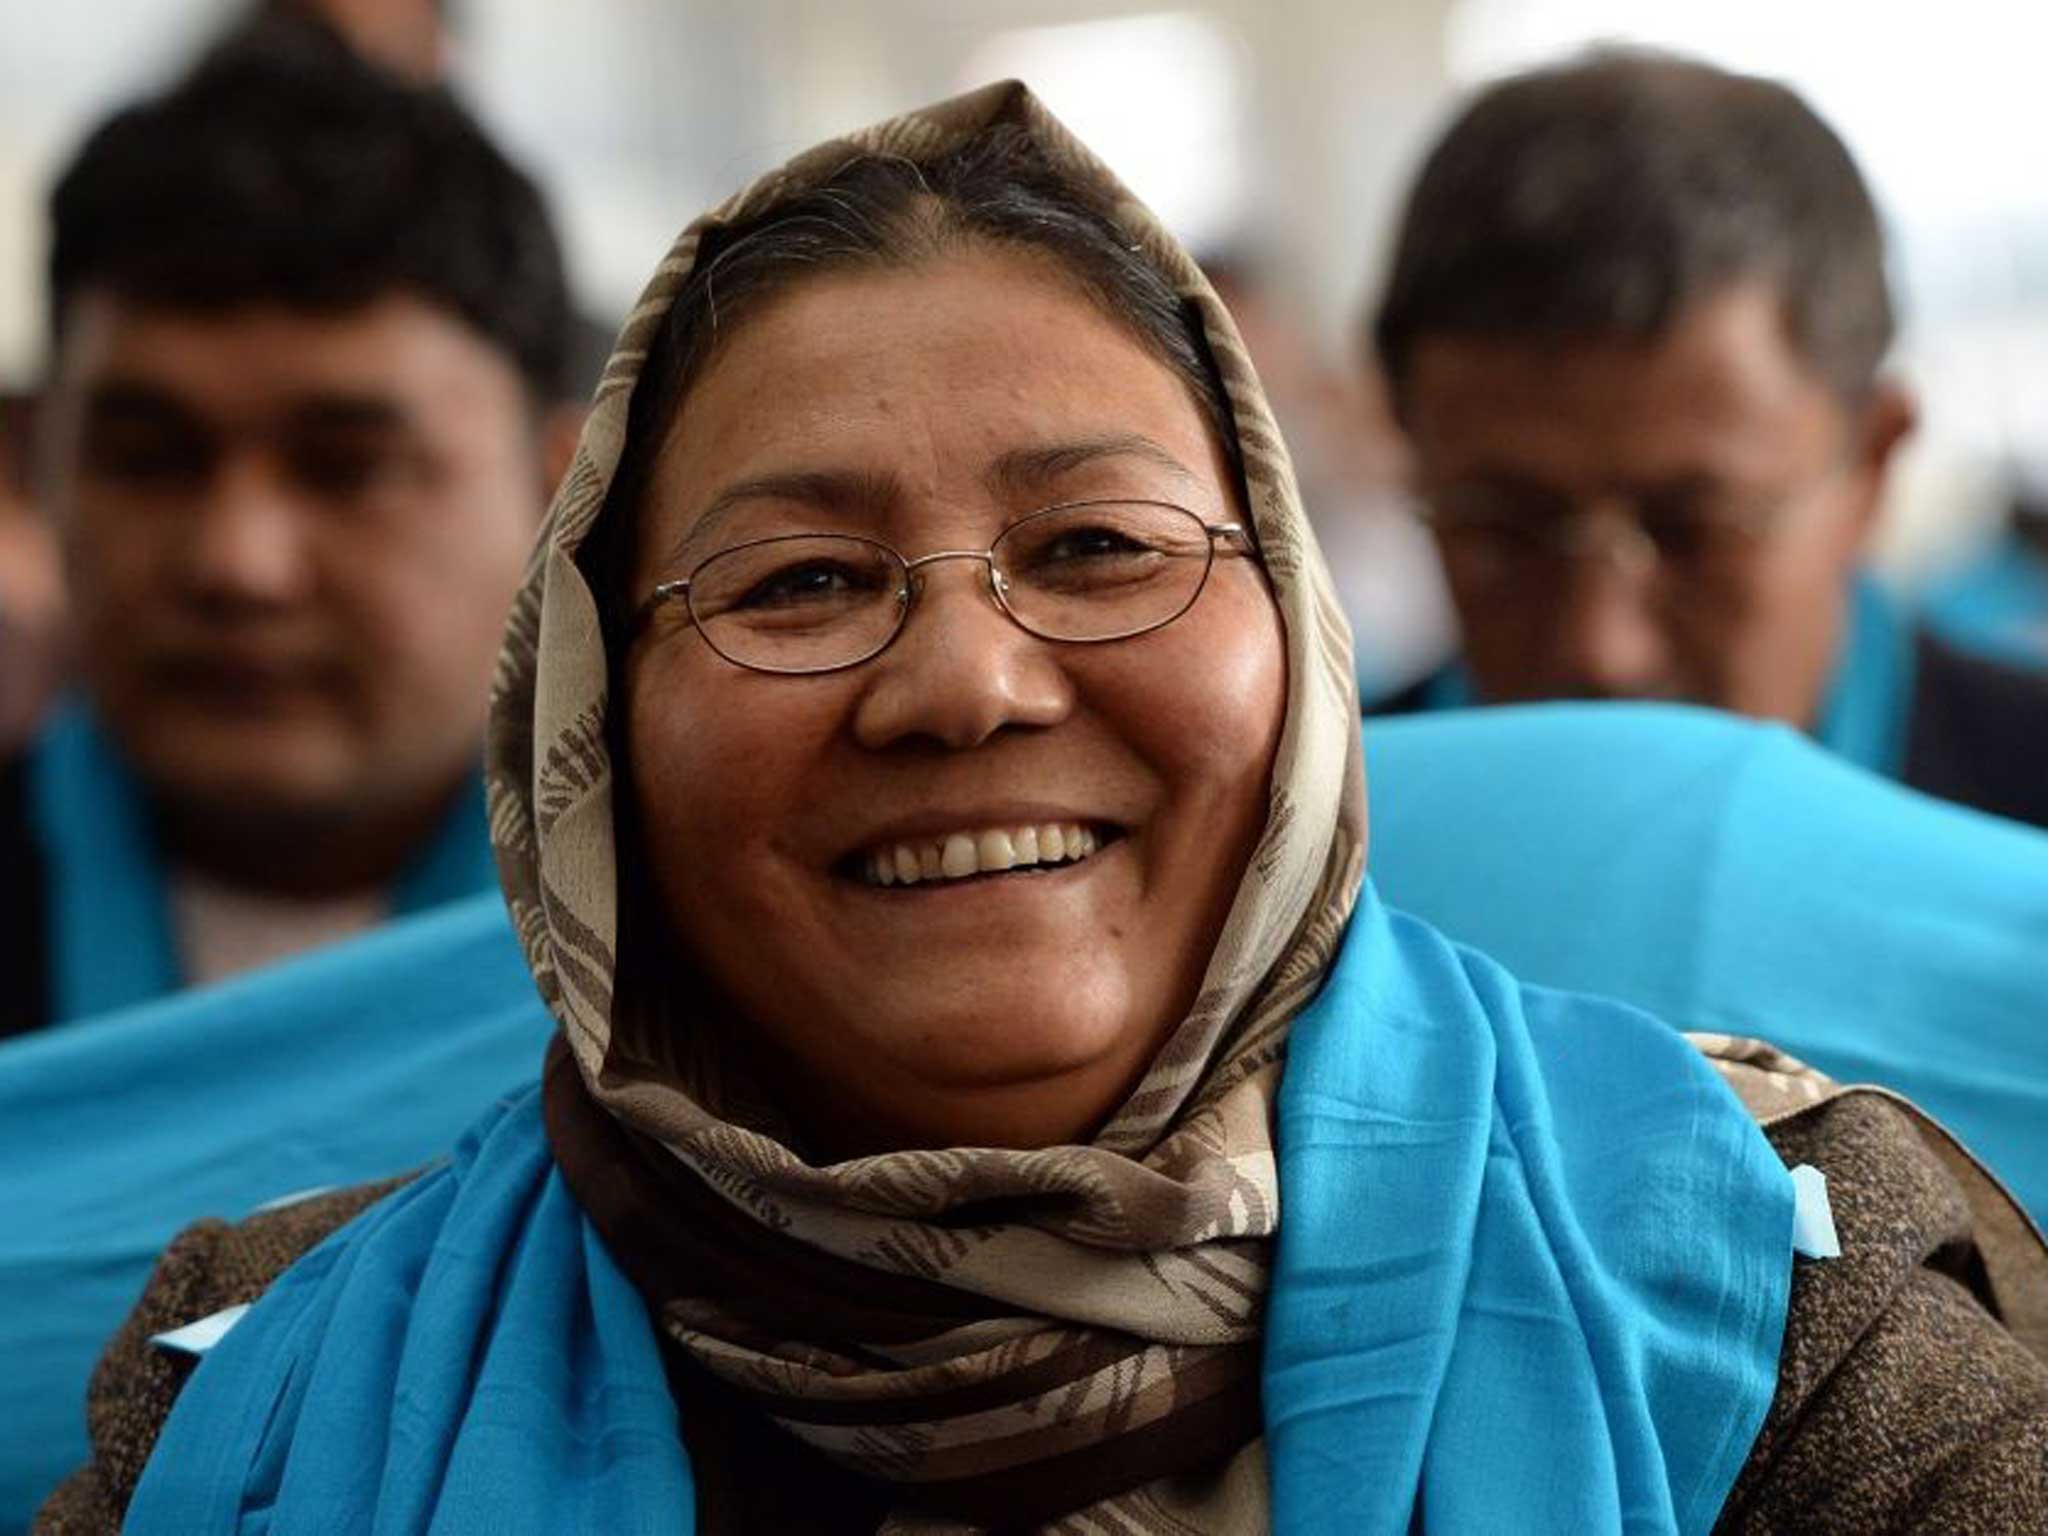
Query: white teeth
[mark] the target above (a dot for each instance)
(961, 854)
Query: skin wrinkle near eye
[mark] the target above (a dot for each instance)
(1018, 473)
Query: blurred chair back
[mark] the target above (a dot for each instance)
(1733, 877)
(363, 1060)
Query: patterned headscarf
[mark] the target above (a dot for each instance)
(1100, 1341)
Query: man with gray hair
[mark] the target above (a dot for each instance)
(1634, 328)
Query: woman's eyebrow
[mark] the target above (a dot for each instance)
(1022, 471)
(828, 490)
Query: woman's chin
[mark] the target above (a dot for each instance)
(1016, 1072)
(1006, 1043)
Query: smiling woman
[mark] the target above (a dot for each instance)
(927, 785)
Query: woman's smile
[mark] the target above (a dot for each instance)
(965, 855)
(943, 850)
(994, 883)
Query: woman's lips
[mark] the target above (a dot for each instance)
(968, 852)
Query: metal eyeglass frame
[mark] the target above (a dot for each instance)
(1580, 532)
(906, 594)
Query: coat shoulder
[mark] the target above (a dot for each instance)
(209, 1267)
(1913, 1377)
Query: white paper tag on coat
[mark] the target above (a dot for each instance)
(294, 1198)
(1813, 1219)
(197, 1338)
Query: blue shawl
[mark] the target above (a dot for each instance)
(110, 938)
(1532, 1275)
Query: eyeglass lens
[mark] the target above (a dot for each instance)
(1699, 543)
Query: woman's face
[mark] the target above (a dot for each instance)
(929, 409)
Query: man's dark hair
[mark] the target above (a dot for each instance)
(285, 170)
(881, 212)
(1602, 197)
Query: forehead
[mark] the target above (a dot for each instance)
(924, 376)
(249, 360)
(1723, 390)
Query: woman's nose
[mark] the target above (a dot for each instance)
(962, 669)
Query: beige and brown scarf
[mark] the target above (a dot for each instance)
(969, 1324)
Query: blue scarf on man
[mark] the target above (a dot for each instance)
(1868, 706)
(1532, 1275)
(111, 943)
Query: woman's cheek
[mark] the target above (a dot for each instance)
(1222, 697)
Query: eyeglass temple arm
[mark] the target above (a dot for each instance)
(1238, 531)
(665, 592)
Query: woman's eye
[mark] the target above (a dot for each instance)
(1086, 544)
(816, 582)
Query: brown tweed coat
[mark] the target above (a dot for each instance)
(1904, 1403)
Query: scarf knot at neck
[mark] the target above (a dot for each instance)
(883, 1353)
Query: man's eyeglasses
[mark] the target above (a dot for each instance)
(1506, 539)
(1084, 572)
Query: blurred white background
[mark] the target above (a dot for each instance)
(1282, 131)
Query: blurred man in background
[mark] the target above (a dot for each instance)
(31, 596)
(310, 338)
(1633, 329)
